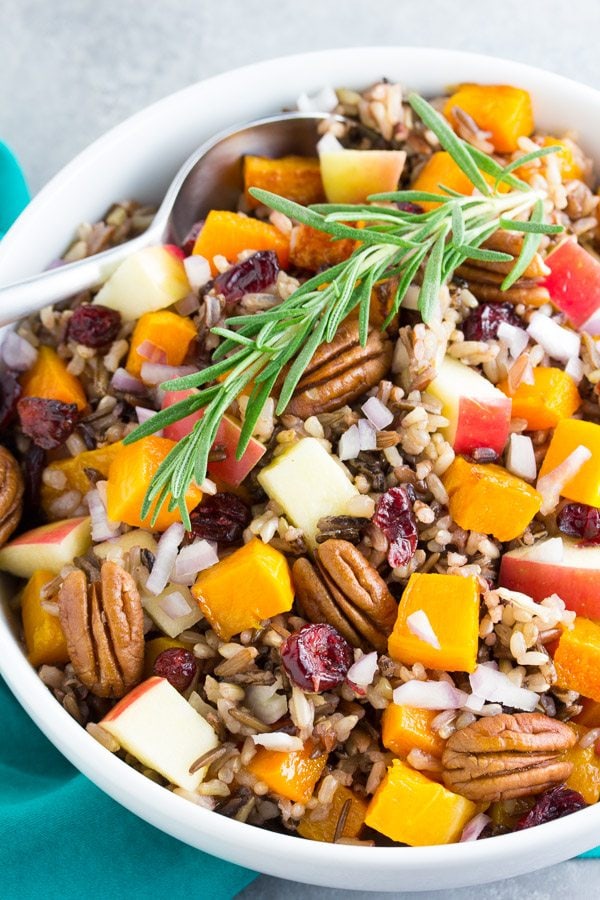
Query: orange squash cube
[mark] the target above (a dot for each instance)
(585, 777)
(74, 470)
(406, 728)
(228, 234)
(169, 332)
(451, 604)
(504, 111)
(240, 591)
(409, 808)
(552, 396)
(440, 169)
(297, 178)
(312, 249)
(50, 379)
(325, 829)
(589, 716)
(568, 435)
(577, 658)
(291, 775)
(44, 637)
(489, 499)
(129, 477)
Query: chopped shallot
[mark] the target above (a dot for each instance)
(102, 527)
(494, 685)
(558, 342)
(144, 414)
(349, 443)
(520, 457)
(197, 269)
(419, 625)
(152, 352)
(429, 695)
(575, 368)
(165, 557)
(278, 741)
(17, 353)
(473, 829)
(363, 671)
(193, 559)
(378, 414)
(366, 435)
(175, 605)
(123, 381)
(551, 484)
(155, 373)
(516, 339)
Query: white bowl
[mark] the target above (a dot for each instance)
(138, 159)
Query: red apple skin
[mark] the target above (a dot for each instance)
(231, 470)
(482, 424)
(48, 534)
(578, 588)
(573, 282)
(131, 697)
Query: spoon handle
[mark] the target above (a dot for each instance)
(25, 297)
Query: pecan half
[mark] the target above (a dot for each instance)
(103, 622)
(507, 756)
(341, 371)
(11, 494)
(344, 590)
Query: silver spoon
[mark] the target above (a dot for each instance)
(210, 179)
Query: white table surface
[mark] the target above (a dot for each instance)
(70, 69)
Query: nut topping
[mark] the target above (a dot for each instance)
(341, 371)
(507, 756)
(344, 590)
(103, 624)
(11, 494)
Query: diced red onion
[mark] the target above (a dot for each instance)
(349, 443)
(551, 484)
(175, 605)
(367, 435)
(473, 829)
(165, 557)
(378, 414)
(494, 685)
(516, 339)
(558, 342)
(429, 695)
(592, 325)
(265, 701)
(102, 528)
(324, 100)
(575, 368)
(551, 550)
(197, 269)
(419, 625)
(17, 353)
(363, 671)
(193, 559)
(474, 703)
(152, 352)
(123, 381)
(278, 741)
(329, 144)
(155, 373)
(520, 457)
(144, 414)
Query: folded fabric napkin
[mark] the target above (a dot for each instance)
(60, 837)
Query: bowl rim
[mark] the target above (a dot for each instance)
(174, 814)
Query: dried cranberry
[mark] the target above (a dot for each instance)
(317, 657)
(177, 665)
(10, 391)
(553, 804)
(255, 274)
(579, 520)
(34, 462)
(47, 422)
(191, 237)
(482, 323)
(394, 515)
(414, 208)
(94, 326)
(220, 517)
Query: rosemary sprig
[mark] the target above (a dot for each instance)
(276, 345)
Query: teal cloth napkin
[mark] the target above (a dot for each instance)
(60, 837)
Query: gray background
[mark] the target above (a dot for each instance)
(70, 69)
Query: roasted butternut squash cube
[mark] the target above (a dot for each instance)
(406, 728)
(291, 775)
(74, 469)
(242, 590)
(311, 249)
(585, 777)
(577, 658)
(451, 604)
(44, 637)
(297, 178)
(489, 499)
(228, 234)
(501, 109)
(319, 829)
(50, 379)
(409, 808)
(568, 435)
(168, 332)
(552, 396)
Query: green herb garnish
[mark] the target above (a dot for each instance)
(276, 345)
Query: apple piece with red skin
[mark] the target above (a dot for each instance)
(47, 547)
(350, 176)
(150, 279)
(230, 470)
(162, 730)
(478, 413)
(574, 285)
(572, 572)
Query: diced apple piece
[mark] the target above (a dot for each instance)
(168, 611)
(116, 548)
(159, 727)
(350, 176)
(478, 413)
(49, 547)
(230, 470)
(150, 279)
(308, 484)
(574, 285)
(572, 572)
